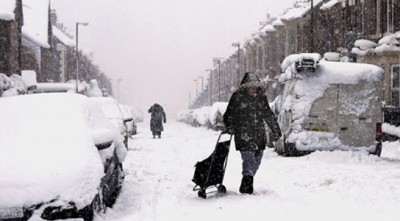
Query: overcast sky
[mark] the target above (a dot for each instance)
(158, 47)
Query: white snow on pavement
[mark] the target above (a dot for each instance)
(321, 186)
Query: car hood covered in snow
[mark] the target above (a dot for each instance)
(47, 151)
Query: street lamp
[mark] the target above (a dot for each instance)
(77, 53)
(197, 89)
(202, 83)
(218, 61)
(190, 100)
(118, 80)
(237, 44)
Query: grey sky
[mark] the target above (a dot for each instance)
(159, 46)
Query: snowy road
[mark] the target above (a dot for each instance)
(321, 186)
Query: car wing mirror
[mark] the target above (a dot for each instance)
(128, 119)
(103, 146)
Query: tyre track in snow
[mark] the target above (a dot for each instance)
(159, 171)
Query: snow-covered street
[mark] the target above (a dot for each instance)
(320, 186)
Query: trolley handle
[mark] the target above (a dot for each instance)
(224, 132)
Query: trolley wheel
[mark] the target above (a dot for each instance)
(202, 194)
(221, 189)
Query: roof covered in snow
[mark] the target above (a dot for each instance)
(7, 10)
(277, 22)
(36, 21)
(329, 4)
(299, 10)
(63, 38)
(268, 28)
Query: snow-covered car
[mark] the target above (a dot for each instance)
(113, 112)
(216, 115)
(127, 114)
(61, 158)
(328, 106)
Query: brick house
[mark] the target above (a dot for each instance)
(39, 45)
(11, 21)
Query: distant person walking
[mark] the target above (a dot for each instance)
(157, 119)
(247, 113)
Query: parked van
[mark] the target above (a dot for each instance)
(327, 105)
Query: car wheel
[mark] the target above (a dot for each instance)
(280, 146)
(378, 149)
(115, 186)
(97, 206)
(284, 148)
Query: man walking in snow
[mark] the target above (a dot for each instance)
(247, 112)
(157, 119)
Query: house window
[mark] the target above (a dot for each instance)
(395, 85)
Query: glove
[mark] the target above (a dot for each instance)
(276, 137)
(165, 121)
(230, 131)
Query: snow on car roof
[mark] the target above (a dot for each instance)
(46, 150)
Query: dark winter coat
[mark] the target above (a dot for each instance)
(247, 115)
(157, 118)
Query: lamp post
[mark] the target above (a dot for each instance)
(218, 61)
(118, 80)
(202, 83)
(210, 87)
(197, 88)
(237, 44)
(77, 52)
(190, 100)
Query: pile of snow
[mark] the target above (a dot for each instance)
(391, 129)
(208, 116)
(201, 116)
(288, 65)
(12, 86)
(7, 10)
(185, 116)
(93, 89)
(389, 43)
(332, 56)
(217, 111)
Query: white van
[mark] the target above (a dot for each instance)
(328, 106)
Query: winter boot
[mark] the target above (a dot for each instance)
(247, 185)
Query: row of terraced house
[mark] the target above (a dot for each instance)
(365, 31)
(32, 39)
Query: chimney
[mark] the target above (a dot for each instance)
(53, 17)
